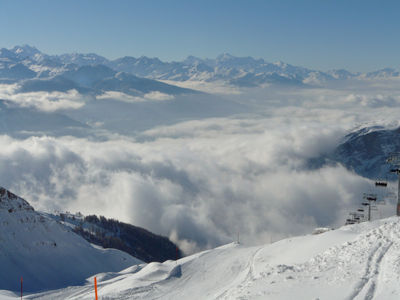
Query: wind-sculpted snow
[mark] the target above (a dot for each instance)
(353, 262)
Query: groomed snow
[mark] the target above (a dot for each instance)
(359, 261)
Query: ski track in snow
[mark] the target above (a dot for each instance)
(369, 280)
(367, 286)
(250, 277)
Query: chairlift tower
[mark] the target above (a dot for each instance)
(371, 198)
(394, 160)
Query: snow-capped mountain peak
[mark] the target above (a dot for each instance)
(225, 56)
(25, 51)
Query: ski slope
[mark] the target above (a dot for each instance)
(360, 261)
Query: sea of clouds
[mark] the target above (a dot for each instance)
(202, 181)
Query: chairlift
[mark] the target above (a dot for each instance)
(365, 203)
(360, 209)
(381, 183)
(371, 198)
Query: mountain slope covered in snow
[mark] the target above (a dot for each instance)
(365, 151)
(353, 262)
(46, 253)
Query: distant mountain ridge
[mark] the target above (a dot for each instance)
(26, 62)
(35, 71)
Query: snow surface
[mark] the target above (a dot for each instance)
(359, 261)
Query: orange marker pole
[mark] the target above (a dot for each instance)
(95, 287)
(21, 287)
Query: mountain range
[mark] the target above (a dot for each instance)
(92, 70)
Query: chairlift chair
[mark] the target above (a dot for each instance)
(381, 183)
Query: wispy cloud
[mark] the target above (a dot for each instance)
(119, 96)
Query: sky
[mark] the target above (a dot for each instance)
(356, 35)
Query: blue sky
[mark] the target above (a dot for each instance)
(357, 35)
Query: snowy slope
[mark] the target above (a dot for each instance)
(46, 253)
(354, 262)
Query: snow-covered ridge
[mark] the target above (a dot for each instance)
(11, 202)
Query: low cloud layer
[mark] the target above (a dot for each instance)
(43, 101)
(201, 182)
(200, 191)
(119, 96)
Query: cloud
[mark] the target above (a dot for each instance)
(119, 96)
(200, 182)
(200, 191)
(216, 87)
(158, 96)
(44, 101)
